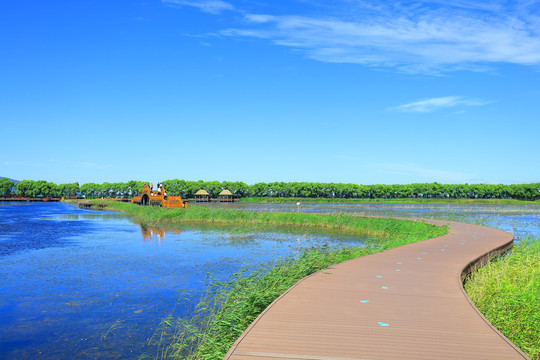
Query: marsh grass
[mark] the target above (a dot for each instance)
(354, 225)
(115, 326)
(385, 201)
(507, 292)
(507, 289)
(228, 307)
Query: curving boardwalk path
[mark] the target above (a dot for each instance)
(403, 303)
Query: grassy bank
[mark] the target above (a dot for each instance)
(507, 292)
(228, 308)
(386, 201)
(399, 230)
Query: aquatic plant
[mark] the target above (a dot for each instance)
(419, 200)
(355, 225)
(227, 308)
(506, 291)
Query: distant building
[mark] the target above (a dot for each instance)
(226, 196)
(202, 196)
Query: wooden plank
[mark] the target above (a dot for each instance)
(403, 303)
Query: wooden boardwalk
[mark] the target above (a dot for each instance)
(403, 303)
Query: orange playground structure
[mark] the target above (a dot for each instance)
(158, 198)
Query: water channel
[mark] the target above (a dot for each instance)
(84, 284)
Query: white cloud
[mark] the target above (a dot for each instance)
(208, 6)
(10, 163)
(421, 37)
(433, 104)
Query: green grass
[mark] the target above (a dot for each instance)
(361, 226)
(507, 292)
(228, 308)
(385, 201)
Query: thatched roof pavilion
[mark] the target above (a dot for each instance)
(226, 196)
(202, 196)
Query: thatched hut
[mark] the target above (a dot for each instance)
(202, 196)
(226, 196)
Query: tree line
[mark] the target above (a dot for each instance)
(187, 189)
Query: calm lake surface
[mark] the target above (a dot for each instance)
(84, 284)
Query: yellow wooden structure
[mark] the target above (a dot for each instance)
(158, 198)
(226, 196)
(202, 196)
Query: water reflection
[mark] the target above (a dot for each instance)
(148, 234)
(98, 285)
(82, 284)
(88, 216)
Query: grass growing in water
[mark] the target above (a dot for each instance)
(385, 201)
(227, 308)
(507, 292)
(377, 227)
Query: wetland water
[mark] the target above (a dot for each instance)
(521, 220)
(85, 284)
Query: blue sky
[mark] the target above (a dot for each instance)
(345, 91)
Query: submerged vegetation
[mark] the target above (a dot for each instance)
(507, 292)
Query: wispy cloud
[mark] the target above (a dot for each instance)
(208, 6)
(11, 163)
(433, 104)
(418, 37)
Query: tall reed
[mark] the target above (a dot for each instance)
(364, 226)
(227, 308)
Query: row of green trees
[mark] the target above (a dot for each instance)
(42, 188)
(187, 189)
(354, 191)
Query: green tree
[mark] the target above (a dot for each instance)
(260, 190)
(68, 190)
(24, 187)
(6, 186)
